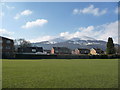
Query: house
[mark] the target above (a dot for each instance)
(81, 51)
(73, 52)
(60, 50)
(96, 51)
(47, 51)
(6, 47)
(30, 50)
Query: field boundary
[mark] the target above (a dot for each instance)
(35, 56)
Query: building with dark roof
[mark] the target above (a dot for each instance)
(60, 50)
(6, 47)
(47, 51)
(96, 51)
(81, 51)
(30, 50)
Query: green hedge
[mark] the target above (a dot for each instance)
(34, 56)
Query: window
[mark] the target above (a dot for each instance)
(33, 50)
(56, 51)
(0, 47)
(1, 41)
(7, 47)
(8, 41)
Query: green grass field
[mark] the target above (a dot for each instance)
(60, 73)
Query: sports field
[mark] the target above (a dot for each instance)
(60, 73)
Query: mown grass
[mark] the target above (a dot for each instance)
(60, 73)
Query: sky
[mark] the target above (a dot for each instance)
(41, 21)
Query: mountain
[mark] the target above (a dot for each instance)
(62, 39)
(73, 43)
(57, 40)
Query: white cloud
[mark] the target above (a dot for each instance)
(6, 33)
(64, 34)
(109, 30)
(90, 10)
(82, 31)
(26, 12)
(75, 11)
(38, 22)
(88, 29)
(23, 13)
(101, 32)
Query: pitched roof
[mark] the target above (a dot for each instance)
(61, 48)
(98, 50)
(82, 49)
(5, 38)
(32, 47)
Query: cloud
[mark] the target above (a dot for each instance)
(38, 22)
(101, 32)
(90, 10)
(88, 29)
(23, 13)
(26, 12)
(82, 31)
(64, 34)
(109, 30)
(6, 33)
(76, 11)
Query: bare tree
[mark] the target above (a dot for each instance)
(20, 43)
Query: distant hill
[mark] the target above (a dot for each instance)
(86, 42)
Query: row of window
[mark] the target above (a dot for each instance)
(5, 47)
(8, 41)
